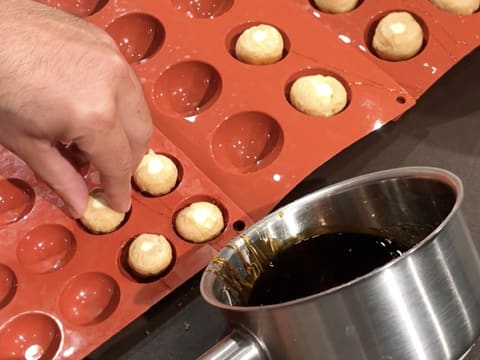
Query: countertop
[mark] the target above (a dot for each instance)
(441, 130)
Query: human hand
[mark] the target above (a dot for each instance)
(63, 80)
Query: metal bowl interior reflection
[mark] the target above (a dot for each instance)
(422, 305)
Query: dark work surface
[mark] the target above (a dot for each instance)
(442, 130)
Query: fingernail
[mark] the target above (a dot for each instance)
(129, 197)
(121, 207)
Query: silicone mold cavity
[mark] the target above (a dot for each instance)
(138, 35)
(46, 248)
(187, 88)
(30, 336)
(202, 9)
(7, 285)
(81, 8)
(16, 200)
(247, 142)
(89, 298)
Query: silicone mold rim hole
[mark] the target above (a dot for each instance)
(239, 225)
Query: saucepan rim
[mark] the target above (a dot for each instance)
(417, 172)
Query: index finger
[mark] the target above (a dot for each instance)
(134, 115)
(108, 149)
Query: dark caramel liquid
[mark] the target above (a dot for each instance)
(320, 263)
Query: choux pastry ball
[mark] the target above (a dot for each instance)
(398, 36)
(99, 218)
(318, 95)
(259, 45)
(149, 254)
(156, 174)
(199, 222)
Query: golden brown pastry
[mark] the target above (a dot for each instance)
(460, 7)
(99, 218)
(336, 6)
(156, 174)
(199, 222)
(398, 36)
(318, 95)
(259, 45)
(149, 254)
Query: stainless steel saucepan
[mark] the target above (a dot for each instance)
(423, 305)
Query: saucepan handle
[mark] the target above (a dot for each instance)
(238, 345)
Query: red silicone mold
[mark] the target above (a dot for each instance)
(232, 132)
(63, 290)
(234, 120)
(447, 37)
